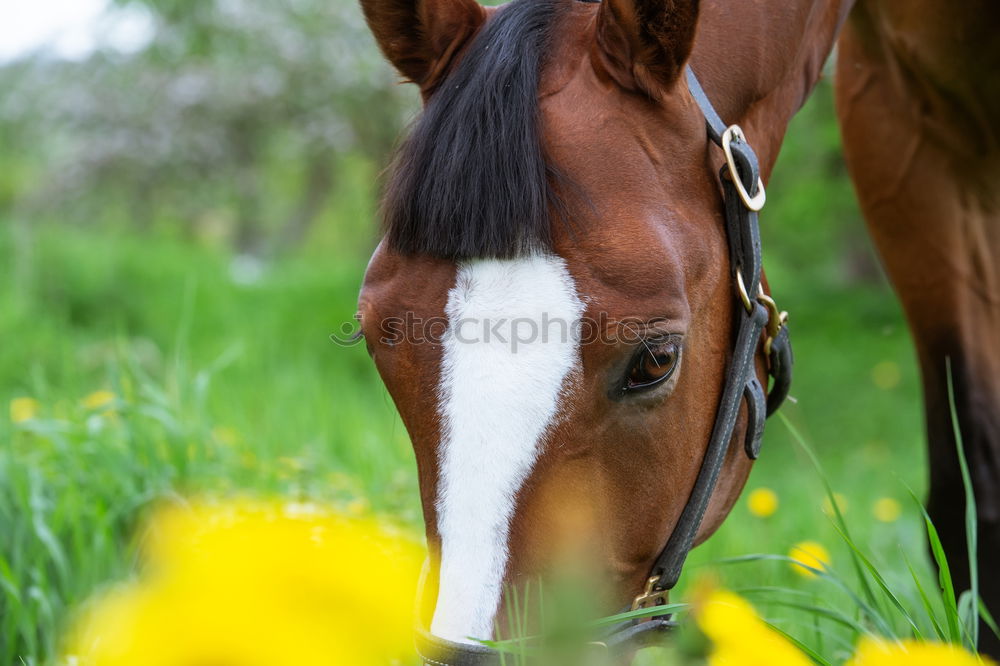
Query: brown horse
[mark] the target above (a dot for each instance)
(552, 309)
(918, 97)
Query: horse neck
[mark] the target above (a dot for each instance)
(759, 61)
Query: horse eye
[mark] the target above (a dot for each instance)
(655, 362)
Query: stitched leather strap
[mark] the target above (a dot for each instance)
(440, 652)
(745, 257)
(753, 393)
(781, 370)
(713, 122)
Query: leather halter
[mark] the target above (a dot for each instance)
(743, 193)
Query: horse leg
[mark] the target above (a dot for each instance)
(922, 149)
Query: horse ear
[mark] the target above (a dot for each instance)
(646, 42)
(420, 37)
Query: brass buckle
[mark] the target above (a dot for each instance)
(776, 319)
(756, 202)
(650, 596)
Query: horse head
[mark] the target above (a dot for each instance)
(552, 308)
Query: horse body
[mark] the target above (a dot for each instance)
(524, 458)
(918, 100)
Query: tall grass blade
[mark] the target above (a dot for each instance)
(513, 621)
(818, 611)
(843, 646)
(880, 581)
(771, 589)
(8, 583)
(522, 628)
(944, 575)
(925, 600)
(988, 618)
(838, 515)
(654, 611)
(971, 520)
(828, 575)
(815, 656)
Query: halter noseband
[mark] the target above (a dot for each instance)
(743, 192)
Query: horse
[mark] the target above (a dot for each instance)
(556, 308)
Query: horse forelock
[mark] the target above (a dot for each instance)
(471, 180)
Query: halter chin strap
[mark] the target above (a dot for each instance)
(744, 196)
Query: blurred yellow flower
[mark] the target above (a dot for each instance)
(877, 652)
(810, 554)
(225, 435)
(99, 399)
(23, 409)
(841, 501)
(358, 507)
(876, 452)
(739, 637)
(291, 464)
(762, 502)
(886, 375)
(887, 510)
(343, 482)
(258, 584)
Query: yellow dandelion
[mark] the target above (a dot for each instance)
(762, 502)
(876, 452)
(879, 652)
(887, 510)
(739, 637)
(810, 554)
(841, 504)
(99, 400)
(23, 409)
(252, 584)
(886, 375)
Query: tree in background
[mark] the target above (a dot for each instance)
(239, 111)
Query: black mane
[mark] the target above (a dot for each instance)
(471, 180)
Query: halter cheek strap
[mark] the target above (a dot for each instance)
(759, 322)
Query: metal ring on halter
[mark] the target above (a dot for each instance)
(756, 202)
(744, 296)
(776, 319)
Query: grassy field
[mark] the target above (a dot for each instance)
(223, 384)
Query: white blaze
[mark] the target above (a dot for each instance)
(511, 344)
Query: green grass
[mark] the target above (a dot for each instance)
(222, 388)
(196, 357)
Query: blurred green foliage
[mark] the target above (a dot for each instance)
(238, 120)
(186, 226)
